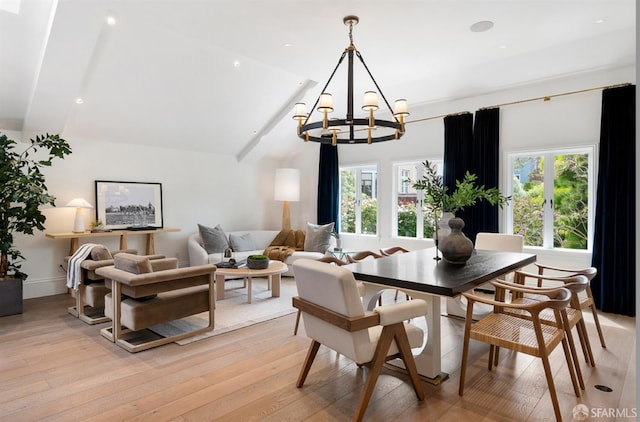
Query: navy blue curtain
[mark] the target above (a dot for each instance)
(328, 185)
(458, 137)
(484, 163)
(614, 243)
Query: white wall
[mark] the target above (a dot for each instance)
(196, 188)
(572, 120)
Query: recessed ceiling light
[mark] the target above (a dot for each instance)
(79, 101)
(236, 64)
(502, 46)
(111, 20)
(600, 21)
(481, 26)
(288, 44)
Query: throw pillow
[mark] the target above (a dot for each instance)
(318, 237)
(135, 264)
(242, 242)
(100, 253)
(213, 239)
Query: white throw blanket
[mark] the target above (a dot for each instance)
(74, 272)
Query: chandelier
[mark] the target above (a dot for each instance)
(351, 130)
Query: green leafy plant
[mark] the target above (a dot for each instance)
(22, 192)
(98, 224)
(466, 194)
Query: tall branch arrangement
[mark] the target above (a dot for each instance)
(466, 194)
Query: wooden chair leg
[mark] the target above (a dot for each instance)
(295, 329)
(568, 357)
(574, 356)
(311, 355)
(465, 355)
(597, 321)
(379, 358)
(402, 341)
(492, 350)
(552, 388)
(584, 341)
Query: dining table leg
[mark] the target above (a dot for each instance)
(429, 358)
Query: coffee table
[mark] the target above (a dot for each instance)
(272, 273)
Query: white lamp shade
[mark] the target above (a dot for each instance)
(326, 102)
(287, 185)
(300, 111)
(79, 203)
(401, 107)
(370, 101)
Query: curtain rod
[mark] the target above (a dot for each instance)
(545, 98)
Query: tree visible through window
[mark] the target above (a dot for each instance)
(551, 206)
(412, 219)
(359, 200)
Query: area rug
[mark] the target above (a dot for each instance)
(233, 312)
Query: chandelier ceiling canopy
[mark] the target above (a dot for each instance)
(351, 130)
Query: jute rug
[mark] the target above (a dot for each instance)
(233, 312)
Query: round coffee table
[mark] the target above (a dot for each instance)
(272, 273)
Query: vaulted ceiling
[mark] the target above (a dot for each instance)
(222, 76)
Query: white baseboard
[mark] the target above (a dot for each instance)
(44, 287)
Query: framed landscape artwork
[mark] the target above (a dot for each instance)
(129, 205)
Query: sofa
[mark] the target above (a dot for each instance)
(261, 238)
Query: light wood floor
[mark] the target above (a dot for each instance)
(54, 367)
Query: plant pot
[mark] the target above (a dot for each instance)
(10, 296)
(257, 264)
(456, 248)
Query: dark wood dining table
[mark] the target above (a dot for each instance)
(421, 276)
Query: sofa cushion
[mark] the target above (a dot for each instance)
(318, 237)
(242, 242)
(100, 253)
(213, 239)
(134, 264)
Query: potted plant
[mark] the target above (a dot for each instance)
(22, 192)
(440, 202)
(257, 262)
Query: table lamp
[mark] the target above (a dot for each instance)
(79, 204)
(287, 188)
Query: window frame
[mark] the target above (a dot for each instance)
(548, 180)
(358, 197)
(396, 190)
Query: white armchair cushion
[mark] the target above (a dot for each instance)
(402, 311)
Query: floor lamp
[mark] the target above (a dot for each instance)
(287, 189)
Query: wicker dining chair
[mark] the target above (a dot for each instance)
(586, 300)
(574, 319)
(524, 335)
(390, 251)
(359, 256)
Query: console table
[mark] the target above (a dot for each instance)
(75, 237)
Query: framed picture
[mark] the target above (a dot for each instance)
(129, 205)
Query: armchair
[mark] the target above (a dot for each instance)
(334, 316)
(90, 291)
(145, 293)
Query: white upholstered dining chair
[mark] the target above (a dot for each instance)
(334, 316)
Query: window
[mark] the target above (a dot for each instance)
(358, 200)
(552, 205)
(411, 218)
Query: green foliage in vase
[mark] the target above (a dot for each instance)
(466, 193)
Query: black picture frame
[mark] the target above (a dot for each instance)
(129, 205)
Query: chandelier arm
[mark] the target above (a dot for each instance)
(325, 86)
(376, 84)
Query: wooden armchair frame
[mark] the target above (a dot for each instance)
(390, 333)
(525, 335)
(183, 286)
